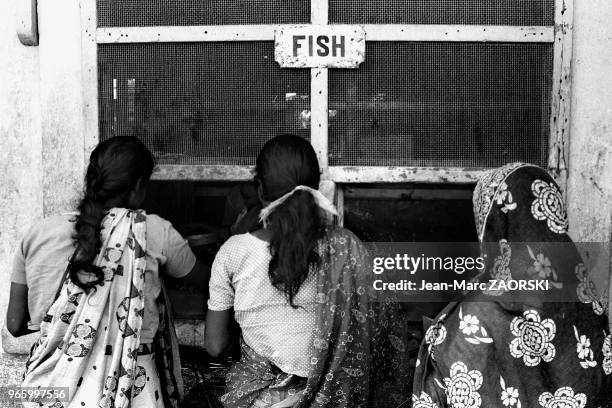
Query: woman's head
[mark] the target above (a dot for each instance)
(522, 227)
(285, 162)
(118, 172)
(519, 202)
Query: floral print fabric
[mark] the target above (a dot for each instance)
(533, 341)
(89, 341)
(516, 349)
(256, 382)
(360, 356)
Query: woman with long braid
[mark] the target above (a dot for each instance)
(90, 283)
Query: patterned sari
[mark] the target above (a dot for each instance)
(89, 342)
(526, 349)
(360, 356)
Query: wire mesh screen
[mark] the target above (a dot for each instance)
(200, 103)
(141, 13)
(442, 104)
(495, 12)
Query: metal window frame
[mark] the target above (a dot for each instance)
(560, 35)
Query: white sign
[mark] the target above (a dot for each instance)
(319, 46)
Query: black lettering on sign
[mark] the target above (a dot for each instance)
(310, 45)
(338, 45)
(296, 43)
(322, 42)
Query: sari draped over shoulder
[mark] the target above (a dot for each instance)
(520, 349)
(89, 342)
(360, 356)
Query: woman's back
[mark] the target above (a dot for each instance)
(299, 287)
(274, 329)
(40, 261)
(45, 251)
(107, 336)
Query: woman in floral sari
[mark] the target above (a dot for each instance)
(90, 282)
(312, 333)
(520, 349)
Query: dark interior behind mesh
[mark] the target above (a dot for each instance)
(442, 104)
(496, 12)
(200, 103)
(142, 13)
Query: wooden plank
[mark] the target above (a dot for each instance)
(358, 174)
(558, 154)
(461, 33)
(319, 11)
(337, 174)
(341, 175)
(89, 81)
(319, 86)
(112, 35)
(319, 117)
(374, 32)
(203, 172)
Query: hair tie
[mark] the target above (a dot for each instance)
(319, 198)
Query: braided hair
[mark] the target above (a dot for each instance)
(116, 167)
(285, 162)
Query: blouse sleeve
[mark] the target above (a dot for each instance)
(221, 292)
(179, 257)
(18, 274)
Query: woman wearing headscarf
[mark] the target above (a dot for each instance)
(300, 289)
(91, 283)
(519, 349)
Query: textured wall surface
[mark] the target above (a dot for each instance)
(20, 153)
(61, 104)
(41, 150)
(590, 176)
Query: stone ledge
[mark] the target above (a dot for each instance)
(190, 332)
(17, 345)
(11, 368)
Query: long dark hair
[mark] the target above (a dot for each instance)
(115, 168)
(285, 162)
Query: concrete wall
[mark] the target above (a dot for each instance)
(20, 152)
(41, 129)
(61, 104)
(590, 176)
